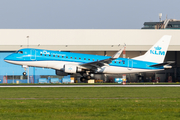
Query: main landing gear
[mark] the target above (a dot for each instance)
(86, 76)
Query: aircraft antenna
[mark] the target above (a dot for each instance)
(160, 16)
(27, 41)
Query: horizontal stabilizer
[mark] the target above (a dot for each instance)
(163, 64)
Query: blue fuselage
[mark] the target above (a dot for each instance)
(33, 55)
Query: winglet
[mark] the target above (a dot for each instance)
(118, 53)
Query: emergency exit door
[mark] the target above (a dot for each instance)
(130, 64)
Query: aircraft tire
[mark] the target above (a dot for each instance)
(24, 73)
(88, 77)
(82, 79)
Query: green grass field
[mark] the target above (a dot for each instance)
(90, 103)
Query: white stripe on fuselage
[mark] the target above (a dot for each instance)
(58, 65)
(44, 64)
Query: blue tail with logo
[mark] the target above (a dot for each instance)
(157, 52)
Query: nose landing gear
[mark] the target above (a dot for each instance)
(25, 67)
(24, 73)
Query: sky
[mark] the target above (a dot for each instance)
(84, 14)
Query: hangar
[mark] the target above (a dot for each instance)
(90, 41)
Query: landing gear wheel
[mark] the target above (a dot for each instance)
(88, 77)
(24, 73)
(82, 79)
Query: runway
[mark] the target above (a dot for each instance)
(44, 86)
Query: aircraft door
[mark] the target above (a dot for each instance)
(33, 54)
(130, 64)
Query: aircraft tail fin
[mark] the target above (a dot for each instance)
(157, 52)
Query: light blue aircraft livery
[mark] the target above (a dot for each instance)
(71, 63)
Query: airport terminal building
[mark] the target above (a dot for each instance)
(89, 41)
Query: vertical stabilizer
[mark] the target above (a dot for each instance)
(157, 52)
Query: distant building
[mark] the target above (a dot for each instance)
(166, 24)
(89, 41)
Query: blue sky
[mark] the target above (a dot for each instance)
(84, 14)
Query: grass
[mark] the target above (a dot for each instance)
(90, 103)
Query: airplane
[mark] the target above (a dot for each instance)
(87, 65)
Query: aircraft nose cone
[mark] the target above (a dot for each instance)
(6, 58)
(9, 57)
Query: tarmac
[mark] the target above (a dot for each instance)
(89, 86)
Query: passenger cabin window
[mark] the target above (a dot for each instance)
(49, 55)
(84, 58)
(58, 55)
(79, 58)
(53, 55)
(75, 57)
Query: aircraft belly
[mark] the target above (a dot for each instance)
(30, 63)
(118, 70)
(45, 64)
(59, 64)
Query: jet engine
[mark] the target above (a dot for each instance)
(71, 69)
(61, 73)
(68, 69)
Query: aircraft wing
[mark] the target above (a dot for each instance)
(105, 62)
(97, 64)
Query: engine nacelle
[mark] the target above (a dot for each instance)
(71, 69)
(68, 69)
(61, 73)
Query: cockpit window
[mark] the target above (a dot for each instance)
(20, 52)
